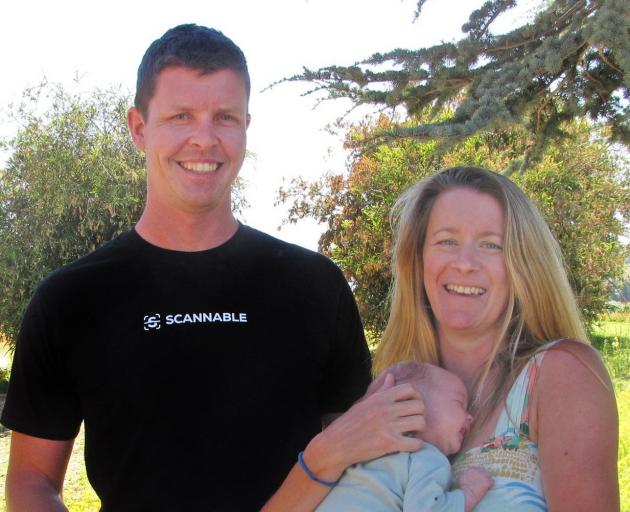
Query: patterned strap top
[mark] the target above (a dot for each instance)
(510, 455)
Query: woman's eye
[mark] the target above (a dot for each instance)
(448, 241)
(491, 245)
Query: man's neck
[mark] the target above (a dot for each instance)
(186, 231)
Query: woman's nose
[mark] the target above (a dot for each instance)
(466, 259)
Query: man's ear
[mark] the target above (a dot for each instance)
(135, 122)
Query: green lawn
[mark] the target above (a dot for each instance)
(611, 338)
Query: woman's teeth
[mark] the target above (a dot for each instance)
(465, 290)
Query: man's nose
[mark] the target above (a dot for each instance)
(205, 134)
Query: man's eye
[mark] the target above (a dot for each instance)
(181, 116)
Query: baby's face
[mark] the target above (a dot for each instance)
(447, 416)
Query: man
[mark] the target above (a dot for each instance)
(200, 354)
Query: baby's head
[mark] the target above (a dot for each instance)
(446, 401)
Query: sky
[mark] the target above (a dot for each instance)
(101, 44)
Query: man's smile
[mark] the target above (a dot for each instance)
(200, 166)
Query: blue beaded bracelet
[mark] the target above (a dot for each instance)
(311, 475)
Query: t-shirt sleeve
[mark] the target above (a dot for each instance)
(348, 370)
(40, 400)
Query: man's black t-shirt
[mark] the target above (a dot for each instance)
(199, 375)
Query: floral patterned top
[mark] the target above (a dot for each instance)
(511, 456)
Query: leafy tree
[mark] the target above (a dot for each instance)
(572, 59)
(73, 180)
(582, 189)
(584, 193)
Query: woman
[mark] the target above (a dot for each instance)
(480, 289)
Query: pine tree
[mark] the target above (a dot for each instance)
(572, 60)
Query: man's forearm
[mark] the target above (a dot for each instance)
(32, 494)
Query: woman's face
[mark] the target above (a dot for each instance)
(464, 269)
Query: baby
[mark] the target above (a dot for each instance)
(418, 481)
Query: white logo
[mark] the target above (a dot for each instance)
(152, 322)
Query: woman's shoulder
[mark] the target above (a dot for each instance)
(572, 378)
(572, 360)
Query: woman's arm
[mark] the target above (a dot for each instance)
(576, 427)
(372, 427)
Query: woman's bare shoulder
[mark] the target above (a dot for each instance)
(572, 361)
(572, 379)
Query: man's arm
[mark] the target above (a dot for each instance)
(36, 471)
(372, 427)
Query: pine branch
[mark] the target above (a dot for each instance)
(572, 59)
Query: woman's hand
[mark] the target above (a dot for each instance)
(379, 423)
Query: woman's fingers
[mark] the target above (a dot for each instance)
(386, 421)
(411, 426)
(413, 407)
(384, 381)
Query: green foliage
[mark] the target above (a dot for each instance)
(572, 59)
(583, 191)
(73, 180)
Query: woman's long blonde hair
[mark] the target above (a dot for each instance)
(541, 305)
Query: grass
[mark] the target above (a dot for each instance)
(611, 336)
(612, 339)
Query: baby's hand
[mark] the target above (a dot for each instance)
(475, 482)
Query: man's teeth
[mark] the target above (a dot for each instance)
(199, 167)
(465, 290)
